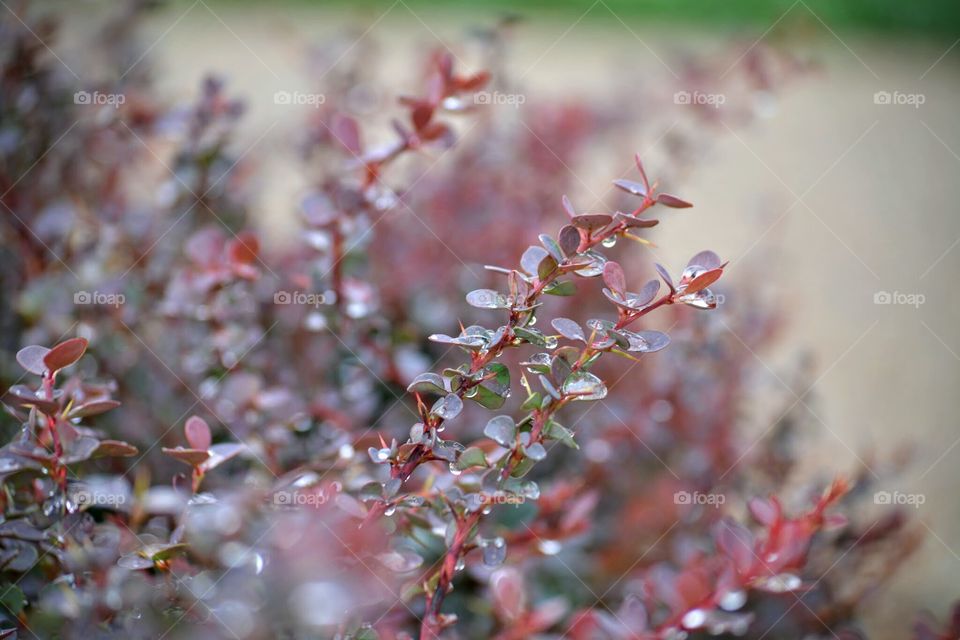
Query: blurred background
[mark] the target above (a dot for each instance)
(834, 190)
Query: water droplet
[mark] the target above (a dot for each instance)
(694, 619)
(610, 242)
(460, 564)
(550, 342)
(486, 510)
(549, 547)
(454, 470)
(733, 600)
(390, 510)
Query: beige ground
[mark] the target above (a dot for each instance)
(877, 184)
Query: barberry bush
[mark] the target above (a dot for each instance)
(459, 405)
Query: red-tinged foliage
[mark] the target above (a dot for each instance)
(383, 440)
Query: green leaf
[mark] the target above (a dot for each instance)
(487, 398)
(558, 432)
(532, 402)
(561, 288)
(471, 457)
(13, 599)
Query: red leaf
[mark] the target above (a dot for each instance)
(192, 457)
(31, 359)
(65, 354)
(703, 281)
(347, 133)
(198, 433)
(614, 277)
(705, 260)
(674, 202)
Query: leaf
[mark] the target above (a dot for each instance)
(705, 260)
(568, 206)
(12, 598)
(220, 453)
(427, 383)
(65, 354)
(614, 277)
(633, 222)
(665, 275)
(448, 407)
(531, 259)
(347, 133)
(487, 299)
(631, 187)
(569, 240)
(552, 247)
(192, 457)
(647, 341)
(135, 561)
(649, 291)
(115, 448)
(703, 281)
(488, 399)
(31, 359)
(471, 457)
(561, 288)
(93, 408)
(198, 433)
(568, 329)
(502, 430)
(592, 221)
(584, 386)
(674, 202)
(535, 452)
(547, 266)
(558, 432)
(22, 396)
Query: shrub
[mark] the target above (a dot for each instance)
(198, 471)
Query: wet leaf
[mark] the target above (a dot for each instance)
(705, 260)
(448, 407)
(502, 430)
(535, 452)
(487, 299)
(471, 457)
(568, 329)
(31, 359)
(631, 187)
(427, 383)
(583, 385)
(614, 277)
(531, 259)
(561, 288)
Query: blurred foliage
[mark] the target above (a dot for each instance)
(936, 16)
